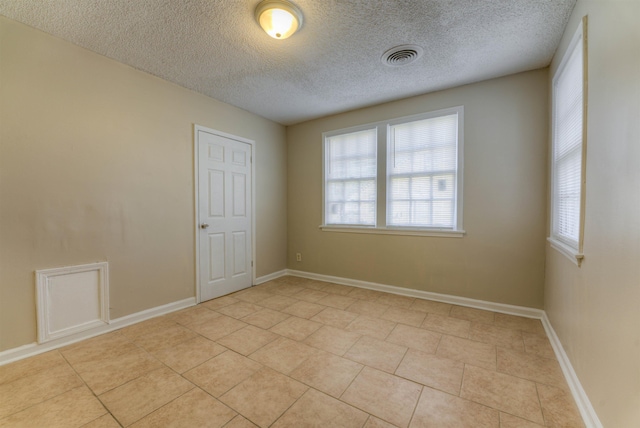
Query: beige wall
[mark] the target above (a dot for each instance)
(595, 309)
(501, 258)
(96, 163)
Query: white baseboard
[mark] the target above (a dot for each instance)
(32, 349)
(587, 411)
(446, 298)
(270, 277)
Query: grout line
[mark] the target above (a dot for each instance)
(544, 420)
(415, 406)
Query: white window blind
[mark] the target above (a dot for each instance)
(350, 178)
(422, 173)
(568, 147)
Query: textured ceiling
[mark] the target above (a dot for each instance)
(331, 65)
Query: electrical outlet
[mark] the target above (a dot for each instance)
(298, 257)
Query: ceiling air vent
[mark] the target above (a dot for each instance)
(401, 55)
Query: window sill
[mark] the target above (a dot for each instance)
(443, 233)
(567, 251)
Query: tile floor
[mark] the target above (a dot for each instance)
(299, 353)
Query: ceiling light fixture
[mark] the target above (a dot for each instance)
(279, 18)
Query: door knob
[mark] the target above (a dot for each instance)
(204, 226)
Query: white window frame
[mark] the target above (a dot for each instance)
(381, 227)
(570, 249)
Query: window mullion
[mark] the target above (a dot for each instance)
(383, 153)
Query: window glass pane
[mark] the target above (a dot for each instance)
(567, 195)
(350, 178)
(423, 159)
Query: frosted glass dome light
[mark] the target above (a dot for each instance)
(278, 18)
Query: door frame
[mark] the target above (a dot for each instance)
(196, 187)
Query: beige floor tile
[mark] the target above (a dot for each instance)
(310, 295)
(339, 289)
(365, 307)
(510, 421)
(239, 309)
(221, 373)
(317, 410)
(265, 318)
(396, 300)
(373, 327)
(374, 422)
(104, 421)
(292, 280)
(296, 328)
(104, 374)
(430, 370)
(431, 307)
(252, 295)
(40, 386)
(313, 284)
(558, 408)
(30, 366)
(519, 323)
(332, 339)
(416, 338)
(491, 334)
(218, 328)
(98, 348)
(531, 367)
(146, 327)
(303, 309)
(164, 338)
(440, 410)
(248, 339)
(377, 354)
(386, 396)
(189, 354)
(220, 302)
(240, 422)
(278, 303)
(447, 325)
(75, 407)
(404, 316)
(337, 301)
(193, 315)
(472, 314)
(335, 317)
(468, 351)
(267, 286)
(502, 392)
(287, 289)
(283, 354)
(365, 294)
(193, 409)
(136, 399)
(537, 345)
(327, 373)
(264, 396)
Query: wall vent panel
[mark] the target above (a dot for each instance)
(71, 299)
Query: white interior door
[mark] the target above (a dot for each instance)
(224, 214)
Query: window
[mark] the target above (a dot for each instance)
(419, 162)
(350, 180)
(422, 173)
(568, 151)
